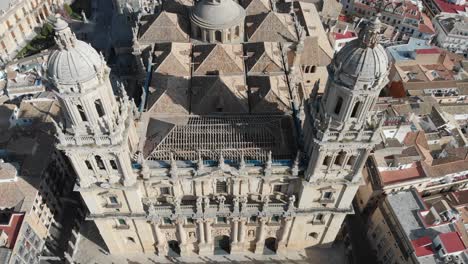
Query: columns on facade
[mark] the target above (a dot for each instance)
(205, 246)
(201, 231)
(260, 243)
(161, 244)
(182, 237)
(237, 244)
(283, 240)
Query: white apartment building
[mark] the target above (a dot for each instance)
(18, 21)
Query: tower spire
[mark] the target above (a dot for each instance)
(64, 37)
(369, 35)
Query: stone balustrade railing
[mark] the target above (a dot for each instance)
(254, 209)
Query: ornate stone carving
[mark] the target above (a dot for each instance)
(221, 232)
(170, 235)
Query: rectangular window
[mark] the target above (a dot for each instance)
(113, 164)
(113, 200)
(122, 221)
(221, 187)
(167, 221)
(88, 165)
(327, 195)
(319, 218)
(253, 219)
(190, 221)
(277, 188)
(165, 191)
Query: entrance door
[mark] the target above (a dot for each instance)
(270, 246)
(222, 245)
(174, 249)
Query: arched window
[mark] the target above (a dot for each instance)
(82, 113)
(100, 163)
(130, 240)
(113, 164)
(313, 69)
(237, 31)
(88, 165)
(339, 103)
(355, 109)
(351, 160)
(218, 36)
(340, 158)
(326, 161)
(99, 108)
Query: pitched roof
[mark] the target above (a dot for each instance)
(263, 57)
(168, 94)
(211, 94)
(254, 7)
(313, 54)
(269, 94)
(452, 242)
(165, 27)
(217, 59)
(172, 59)
(422, 246)
(270, 27)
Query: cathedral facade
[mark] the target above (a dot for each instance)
(230, 153)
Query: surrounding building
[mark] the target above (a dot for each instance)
(18, 21)
(435, 7)
(235, 177)
(406, 229)
(405, 16)
(452, 32)
(419, 70)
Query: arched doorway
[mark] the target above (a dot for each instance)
(218, 36)
(270, 246)
(174, 249)
(222, 245)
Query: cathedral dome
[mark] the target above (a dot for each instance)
(74, 61)
(217, 14)
(363, 59)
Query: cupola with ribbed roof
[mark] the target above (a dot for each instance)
(218, 21)
(74, 63)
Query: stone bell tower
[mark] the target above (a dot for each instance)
(340, 128)
(98, 133)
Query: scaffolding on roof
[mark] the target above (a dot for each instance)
(251, 136)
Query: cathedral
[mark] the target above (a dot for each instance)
(233, 147)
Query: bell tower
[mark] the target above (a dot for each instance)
(340, 129)
(98, 133)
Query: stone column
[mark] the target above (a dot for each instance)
(161, 244)
(261, 237)
(206, 248)
(208, 237)
(235, 230)
(182, 237)
(237, 245)
(201, 231)
(283, 241)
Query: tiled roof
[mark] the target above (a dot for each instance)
(165, 27)
(217, 59)
(447, 7)
(394, 176)
(269, 94)
(452, 242)
(422, 246)
(263, 58)
(271, 27)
